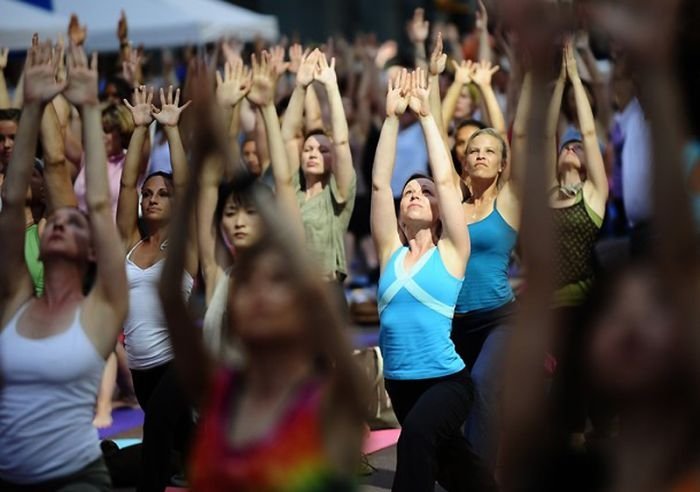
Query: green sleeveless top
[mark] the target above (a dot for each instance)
(576, 229)
(31, 258)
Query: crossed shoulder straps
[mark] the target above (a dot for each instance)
(405, 280)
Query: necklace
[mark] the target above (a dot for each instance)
(570, 191)
(164, 245)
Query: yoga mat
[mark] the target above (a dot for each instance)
(123, 419)
(125, 443)
(381, 439)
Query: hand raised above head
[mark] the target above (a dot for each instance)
(570, 62)
(262, 91)
(463, 71)
(397, 94)
(122, 28)
(438, 59)
(418, 28)
(419, 98)
(82, 78)
(141, 109)
(324, 72)
(296, 52)
(76, 33)
(169, 112)
(234, 84)
(41, 67)
(307, 67)
(482, 73)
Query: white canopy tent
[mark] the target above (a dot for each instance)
(153, 23)
(18, 21)
(159, 23)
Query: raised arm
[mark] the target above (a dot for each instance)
(343, 169)
(552, 124)
(481, 76)
(168, 116)
(56, 172)
(262, 94)
(595, 167)
(231, 88)
(127, 205)
(4, 95)
(463, 76)
(293, 123)
(109, 293)
(520, 133)
(454, 243)
(383, 214)
(438, 60)
(39, 88)
(485, 52)
(417, 30)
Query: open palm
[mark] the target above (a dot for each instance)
(169, 112)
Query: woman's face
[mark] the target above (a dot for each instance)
(571, 156)
(484, 157)
(156, 199)
(265, 307)
(461, 139)
(315, 155)
(113, 141)
(67, 235)
(419, 203)
(636, 343)
(465, 105)
(241, 223)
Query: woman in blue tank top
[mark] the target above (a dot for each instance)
(422, 258)
(485, 304)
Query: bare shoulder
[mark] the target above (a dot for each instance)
(102, 322)
(508, 205)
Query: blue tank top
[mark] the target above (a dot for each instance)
(415, 318)
(486, 283)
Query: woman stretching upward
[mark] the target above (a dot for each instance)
(422, 260)
(167, 416)
(53, 348)
(290, 418)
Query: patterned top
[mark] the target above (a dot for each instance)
(576, 228)
(290, 458)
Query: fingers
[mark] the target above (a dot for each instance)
(128, 104)
(176, 102)
(219, 80)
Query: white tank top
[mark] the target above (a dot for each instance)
(47, 403)
(146, 337)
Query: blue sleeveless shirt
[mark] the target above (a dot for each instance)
(415, 318)
(486, 283)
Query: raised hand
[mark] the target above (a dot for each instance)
(231, 49)
(324, 72)
(276, 61)
(82, 78)
(419, 98)
(141, 110)
(40, 70)
(438, 59)
(570, 61)
(418, 28)
(169, 112)
(4, 52)
(235, 83)
(76, 32)
(131, 66)
(122, 28)
(482, 73)
(397, 94)
(385, 52)
(264, 76)
(307, 67)
(482, 17)
(463, 71)
(295, 54)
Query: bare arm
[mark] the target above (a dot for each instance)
(595, 166)
(110, 289)
(438, 60)
(550, 132)
(418, 29)
(343, 169)
(56, 173)
(39, 88)
(4, 95)
(313, 116)
(463, 71)
(520, 132)
(485, 52)
(481, 76)
(383, 215)
(127, 205)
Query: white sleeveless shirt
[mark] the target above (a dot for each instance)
(47, 403)
(146, 337)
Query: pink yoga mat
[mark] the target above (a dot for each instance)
(381, 439)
